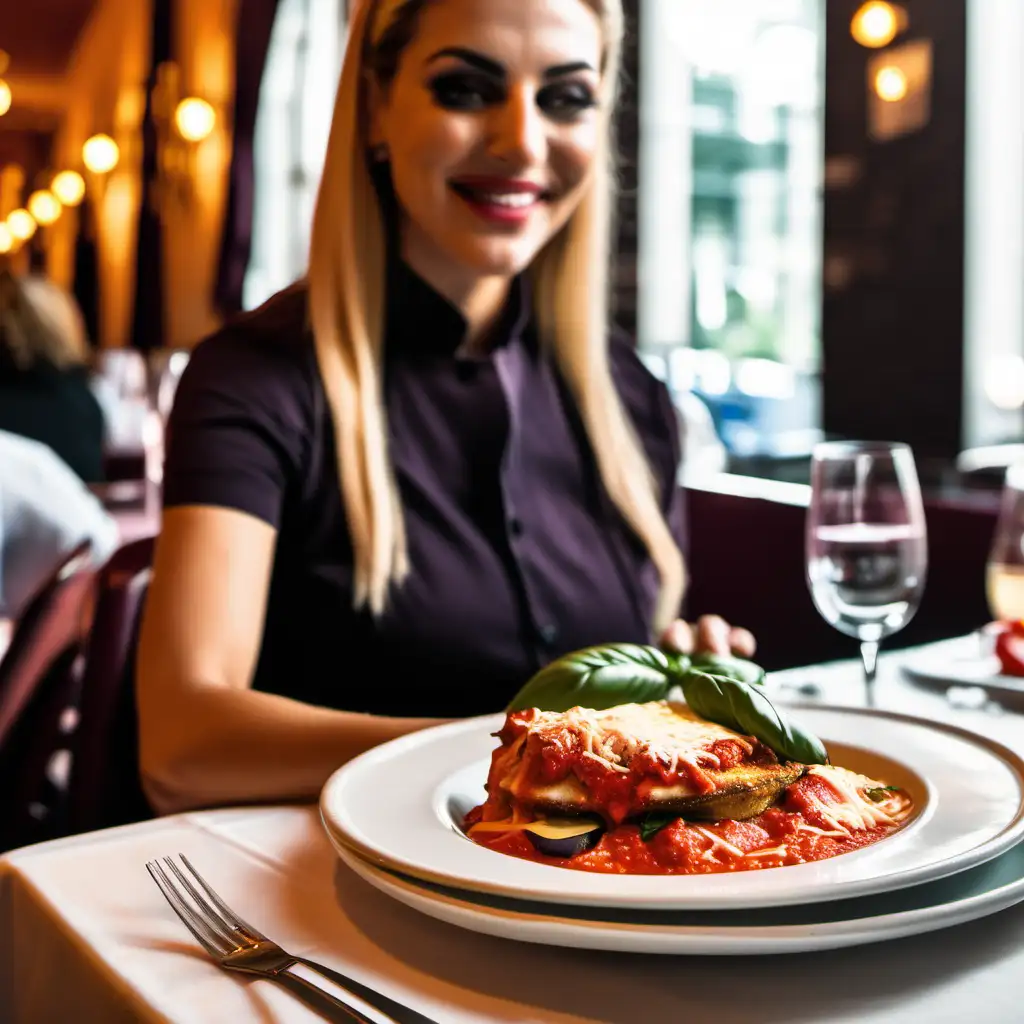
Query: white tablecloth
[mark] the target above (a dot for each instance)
(85, 936)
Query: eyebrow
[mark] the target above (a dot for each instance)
(492, 67)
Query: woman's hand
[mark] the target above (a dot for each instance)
(711, 633)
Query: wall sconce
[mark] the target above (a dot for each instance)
(44, 207)
(182, 124)
(100, 154)
(891, 84)
(877, 24)
(6, 239)
(22, 225)
(68, 187)
(899, 90)
(5, 97)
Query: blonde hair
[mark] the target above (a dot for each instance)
(40, 323)
(346, 295)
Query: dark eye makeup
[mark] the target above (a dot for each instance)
(471, 90)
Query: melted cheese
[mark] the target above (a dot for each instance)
(852, 811)
(670, 734)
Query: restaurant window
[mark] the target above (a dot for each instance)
(994, 222)
(293, 122)
(730, 212)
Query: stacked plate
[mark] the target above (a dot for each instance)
(395, 817)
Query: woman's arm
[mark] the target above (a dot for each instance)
(205, 737)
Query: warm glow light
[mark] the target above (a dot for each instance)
(5, 97)
(100, 154)
(875, 24)
(195, 119)
(68, 187)
(6, 239)
(44, 207)
(891, 84)
(22, 225)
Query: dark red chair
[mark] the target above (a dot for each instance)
(38, 684)
(104, 788)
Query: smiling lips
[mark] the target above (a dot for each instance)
(500, 200)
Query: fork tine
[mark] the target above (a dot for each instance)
(210, 941)
(213, 920)
(225, 910)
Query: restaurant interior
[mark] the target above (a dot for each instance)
(818, 249)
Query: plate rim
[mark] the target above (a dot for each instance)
(1009, 836)
(915, 667)
(738, 940)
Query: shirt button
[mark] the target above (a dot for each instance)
(549, 633)
(515, 526)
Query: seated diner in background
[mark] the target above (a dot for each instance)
(45, 513)
(45, 392)
(405, 484)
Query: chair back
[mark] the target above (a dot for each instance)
(52, 623)
(105, 789)
(38, 684)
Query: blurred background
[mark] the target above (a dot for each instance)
(821, 226)
(820, 235)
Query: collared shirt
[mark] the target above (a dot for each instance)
(516, 553)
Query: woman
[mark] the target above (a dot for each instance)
(400, 513)
(44, 381)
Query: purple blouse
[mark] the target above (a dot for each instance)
(517, 556)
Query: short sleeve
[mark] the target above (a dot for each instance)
(241, 423)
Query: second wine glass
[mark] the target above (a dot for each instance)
(866, 544)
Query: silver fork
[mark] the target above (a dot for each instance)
(238, 946)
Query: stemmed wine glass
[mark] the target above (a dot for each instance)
(867, 554)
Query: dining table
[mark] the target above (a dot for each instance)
(86, 936)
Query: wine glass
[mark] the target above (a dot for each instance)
(1004, 574)
(867, 553)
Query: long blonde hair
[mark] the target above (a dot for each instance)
(40, 323)
(347, 300)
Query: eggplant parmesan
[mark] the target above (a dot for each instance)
(653, 788)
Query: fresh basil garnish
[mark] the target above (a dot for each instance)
(724, 690)
(650, 825)
(740, 669)
(598, 678)
(877, 793)
(746, 709)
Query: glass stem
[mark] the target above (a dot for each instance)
(869, 658)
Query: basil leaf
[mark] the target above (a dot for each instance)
(747, 710)
(599, 678)
(740, 669)
(652, 824)
(877, 793)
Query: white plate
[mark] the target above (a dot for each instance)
(970, 895)
(400, 806)
(961, 662)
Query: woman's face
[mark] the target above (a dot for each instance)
(491, 126)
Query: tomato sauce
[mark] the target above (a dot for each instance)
(775, 838)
